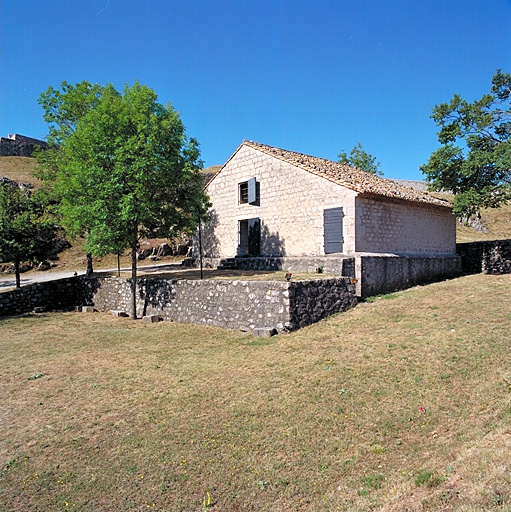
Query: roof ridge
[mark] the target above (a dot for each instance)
(348, 176)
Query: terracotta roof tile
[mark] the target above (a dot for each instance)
(350, 177)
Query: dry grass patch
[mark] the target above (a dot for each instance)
(497, 222)
(75, 258)
(102, 413)
(19, 168)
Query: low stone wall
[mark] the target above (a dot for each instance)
(341, 266)
(246, 305)
(50, 295)
(377, 275)
(489, 257)
(311, 301)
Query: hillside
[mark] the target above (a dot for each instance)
(19, 168)
(497, 222)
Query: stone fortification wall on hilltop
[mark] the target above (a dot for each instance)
(19, 145)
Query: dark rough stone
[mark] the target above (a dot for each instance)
(488, 257)
(60, 294)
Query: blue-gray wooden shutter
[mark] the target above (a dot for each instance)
(333, 230)
(252, 190)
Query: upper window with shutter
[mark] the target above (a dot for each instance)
(249, 192)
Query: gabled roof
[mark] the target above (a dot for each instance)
(350, 177)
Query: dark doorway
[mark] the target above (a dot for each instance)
(333, 230)
(249, 237)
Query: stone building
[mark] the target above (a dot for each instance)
(271, 202)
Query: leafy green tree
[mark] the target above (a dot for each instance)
(129, 171)
(474, 161)
(361, 159)
(26, 234)
(63, 109)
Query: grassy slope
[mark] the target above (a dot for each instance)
(498, 223)
(21, 169)
(130, 416)
(18, 168)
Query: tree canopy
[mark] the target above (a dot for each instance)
(63, 109)
(127, 170)
(361, 159)
(474, 161)
(26, 234)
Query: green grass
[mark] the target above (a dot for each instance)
(341, 415)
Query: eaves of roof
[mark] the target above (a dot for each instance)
(365, 183)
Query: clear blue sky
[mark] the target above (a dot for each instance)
(310, 76)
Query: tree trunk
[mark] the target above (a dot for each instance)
(89, 270)
(17, 272)
(134, 282)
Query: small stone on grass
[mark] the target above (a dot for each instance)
(264, 332)
(151, 318)
(117, 312)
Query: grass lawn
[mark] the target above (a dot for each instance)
(403, 403)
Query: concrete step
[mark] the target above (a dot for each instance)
(227, 264)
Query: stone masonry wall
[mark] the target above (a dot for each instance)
(489, 257)
(404, 228)
(340, 266)
(311, 301)
(51, 295)
(375, 274)
(290, 208)
(383, 274)
(245, 305)
(20, 146)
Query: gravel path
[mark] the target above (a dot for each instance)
(9, 280)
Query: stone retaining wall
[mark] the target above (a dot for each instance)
(19, 145)
(489, 257)
(340, 266)
(246, 305)
(50, 295)
(378, 275)
(375, 274)
(311, 301)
